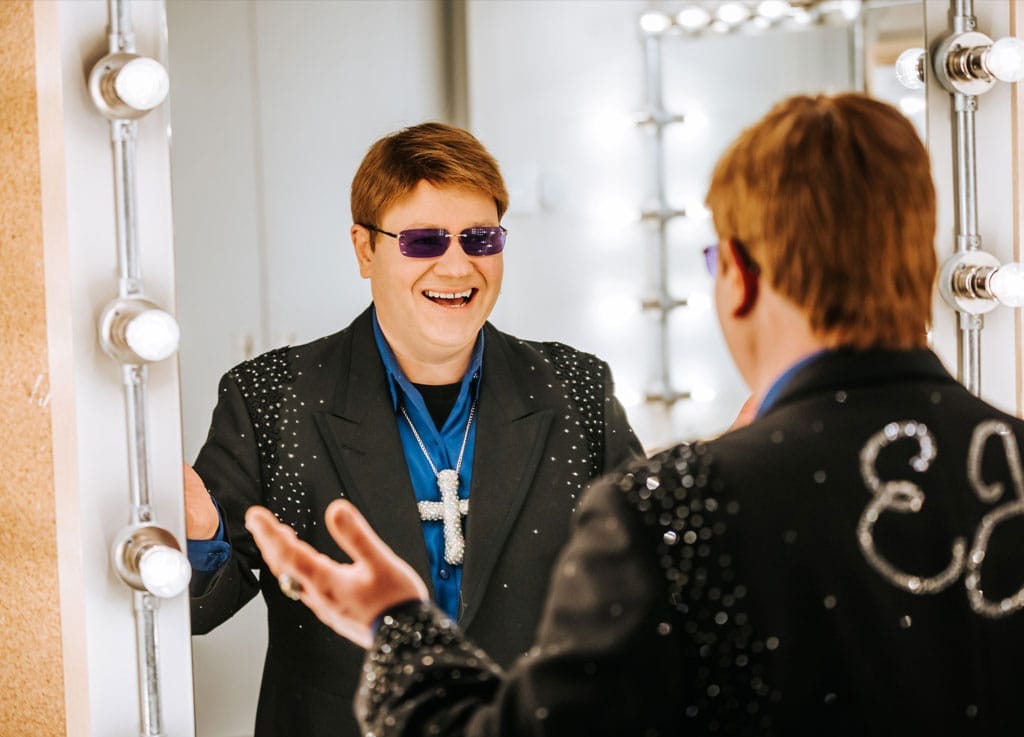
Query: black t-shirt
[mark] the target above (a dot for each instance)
(439, 398)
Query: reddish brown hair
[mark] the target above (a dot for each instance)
(833, 197)
(438, 153)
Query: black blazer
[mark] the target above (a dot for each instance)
(851, 564)
(301, 426)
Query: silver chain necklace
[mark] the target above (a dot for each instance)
(450, 509)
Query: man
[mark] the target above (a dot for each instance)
(849, 563)
(467, 448)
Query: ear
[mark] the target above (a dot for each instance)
(742, 278)
(364, 250)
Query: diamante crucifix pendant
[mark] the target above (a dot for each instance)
(450, 510)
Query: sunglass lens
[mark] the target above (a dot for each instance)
(482, 241)
(423, 243)
(711, 259)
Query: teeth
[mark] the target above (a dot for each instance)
(449, 295)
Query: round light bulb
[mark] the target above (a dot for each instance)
(153, 335)
(910, 68)
(693, 17)
(1007, 284)
(165, 572)
(702, 393)
(733, 13)
(802, 16)
(849, 9)
(654, 21)
(142, 83)
(1005, 60)
(773, 9)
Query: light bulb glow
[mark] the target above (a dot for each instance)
(773, 9)
(628, 395)
(733, 13)
(654, 21)
(911, 105)
(1005, 60)
(802, 16)
(612, 309)
(849, 9)
(693, 17)
(165, 572)
(142, 83)
(909, 68)
(698, 303)
(152, 335)
(1007, 284)
(702, 393)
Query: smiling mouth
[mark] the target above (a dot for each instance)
(450, 299)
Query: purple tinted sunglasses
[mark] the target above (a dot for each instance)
(433, 242)
(711, 259)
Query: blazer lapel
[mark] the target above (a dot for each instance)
(510, 438)
(362, 438)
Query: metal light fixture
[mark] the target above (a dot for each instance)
(125, 86)
(968, 63)
(974, 282)
(971, 63)
(148, 558)
(135, 331)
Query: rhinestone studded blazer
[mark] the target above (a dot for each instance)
(851, 563)
(298, 427)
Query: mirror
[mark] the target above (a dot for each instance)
(274, 103)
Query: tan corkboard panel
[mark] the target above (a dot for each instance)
(31, 672)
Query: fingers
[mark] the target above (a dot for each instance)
(393, 579)
(277, 542)
(354, 534)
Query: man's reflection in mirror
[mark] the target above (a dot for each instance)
(466, 448)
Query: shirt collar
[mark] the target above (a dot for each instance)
(399, 385)
(772, 395)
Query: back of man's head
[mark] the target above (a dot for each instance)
(832, 196)
(441, 154)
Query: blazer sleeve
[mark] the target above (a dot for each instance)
(228, 464)
(605, 663)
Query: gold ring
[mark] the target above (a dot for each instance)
(290, 587)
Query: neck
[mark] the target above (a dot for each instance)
(777, 340)
(431, 367)
(433, 372)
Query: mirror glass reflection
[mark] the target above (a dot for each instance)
(274, 103)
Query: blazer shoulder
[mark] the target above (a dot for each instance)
(306, 354)
(562, 359)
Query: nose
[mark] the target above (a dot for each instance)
(454, 262)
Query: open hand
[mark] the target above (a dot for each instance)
(347, 597)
